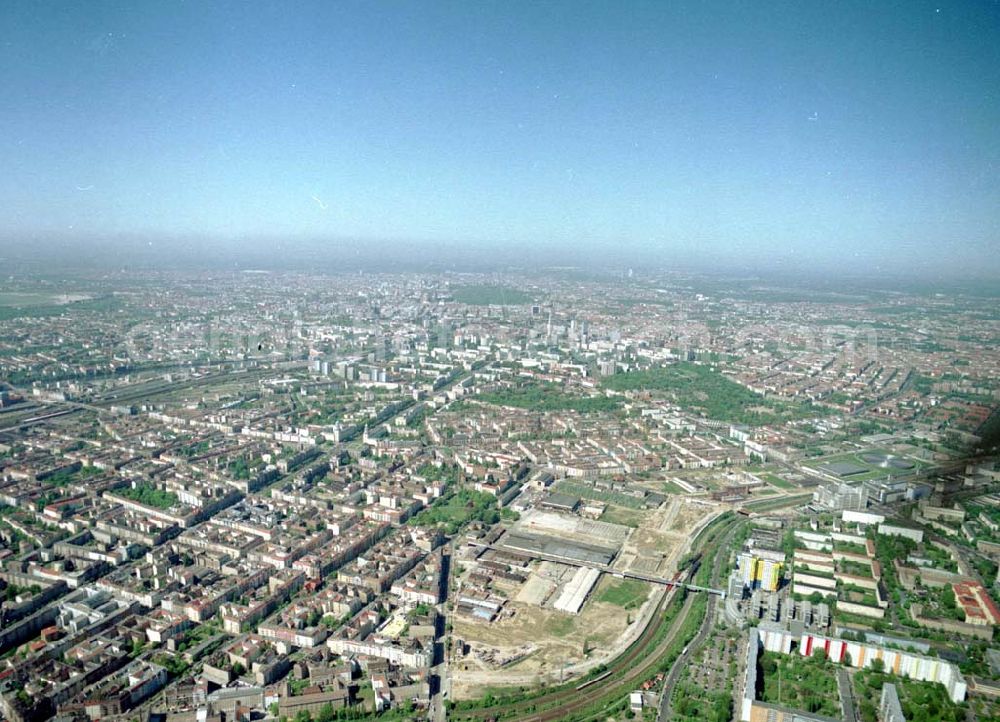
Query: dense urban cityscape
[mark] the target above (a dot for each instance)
(548, 495)
(520, 361)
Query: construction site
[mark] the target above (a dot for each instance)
(556, 593)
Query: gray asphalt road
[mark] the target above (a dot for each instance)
(681, 663)
(846, 696)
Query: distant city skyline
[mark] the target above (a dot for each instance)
(855, 137)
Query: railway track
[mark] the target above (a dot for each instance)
(636, 673)
(627, 660)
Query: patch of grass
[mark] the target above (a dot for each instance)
(295, 686)
(560, 625)
(432, 472)
(626, 593)
(776, 481)
(621, 515)
(766, 504)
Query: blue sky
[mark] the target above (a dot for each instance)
(761, 131)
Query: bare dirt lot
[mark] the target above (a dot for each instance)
(558, 639)
(661, 538)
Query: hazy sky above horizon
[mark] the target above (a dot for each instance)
(789, 132)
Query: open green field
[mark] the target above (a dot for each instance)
(777, 481)
(622, 515)
(703, 389)
(559, 626)
(627, 593)
(482, 295)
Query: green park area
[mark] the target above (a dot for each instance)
(702, 389)
(920, 701)
(481, 295)
(149, 495)
(67, 476)
(548, 397)
(433, 472)
(804, 683)
(453, 510)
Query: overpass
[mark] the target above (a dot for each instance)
(607, 569)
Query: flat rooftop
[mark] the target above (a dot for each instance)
(843, 468)
(557, 548)
(561, 501)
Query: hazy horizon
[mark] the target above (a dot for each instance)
(191, 257)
